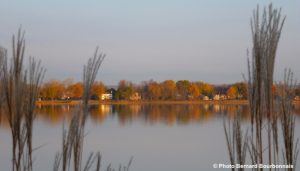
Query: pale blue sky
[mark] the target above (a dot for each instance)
(170, 39)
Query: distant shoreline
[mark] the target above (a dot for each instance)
(121, 102)
(94, 102)
(124, 102)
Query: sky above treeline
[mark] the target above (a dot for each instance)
(143, 40)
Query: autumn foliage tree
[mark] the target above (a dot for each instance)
(183, 88)
(168, 89)
(98, 88)
(125, 90)
(76, 90)
(232, 92)
(52, 89)
(154, 90)
(148, 90)
(194, 91)
(241, 89)
(207, 89)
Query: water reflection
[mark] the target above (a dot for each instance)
(167, 114)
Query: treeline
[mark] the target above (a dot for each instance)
(68, 89)
(147, 90)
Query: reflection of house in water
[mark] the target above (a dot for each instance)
(206, 106)
(135, 109)
(216, 108)
(99, 113)
(105, 108)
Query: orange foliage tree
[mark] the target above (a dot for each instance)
(194, 91)
(98, 89)
(76, 90)
(207, 89)
(52, 89)
(154, 90)
(183, 88)
(232, 92)
(168, 89)
(125, 90)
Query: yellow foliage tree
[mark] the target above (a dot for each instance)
(98, 89)
(232, 92)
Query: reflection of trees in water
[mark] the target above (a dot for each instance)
(231, 111)
(168, 114)
(99, 113)
(176, 114)
(127, 113)
(55, 114)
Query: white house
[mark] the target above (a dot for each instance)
(106, 96)
(217, 97)
(205, 98)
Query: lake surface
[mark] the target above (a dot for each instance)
(181, 137)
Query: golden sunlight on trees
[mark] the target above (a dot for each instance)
(168, 89)
(237, 91)
(241, 89)
(125, 90)
(194, 91)
(52, 89)
(154, 90)
(150, 90)
(232, 92)
(207, 89)
(183, 89)
(76, 90)
(98, 89)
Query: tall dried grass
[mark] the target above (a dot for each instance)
(20, 90)
(18, 94)
(266, 31)
(236, 141)
(73, 138)
(287, 118)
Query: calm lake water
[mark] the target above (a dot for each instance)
(159, 137)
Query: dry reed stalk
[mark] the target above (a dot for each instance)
(14, 91)
(236, 142)
(20, 88)
(36, 74)
(287, 119)
(266, 31)
(73, 138)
